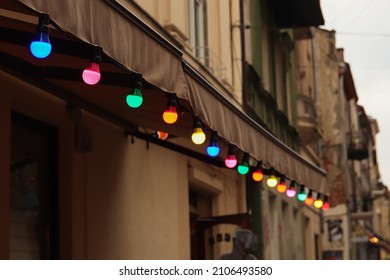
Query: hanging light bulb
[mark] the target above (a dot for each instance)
(243, 168)
(281, 187)
(258, 175)
(135, 99)
(309, 199)
(373, 239)
(302, 194)
(91, 74)
(291, 189)
(40, 47)
(231, 160)
(272, 181)
(318, 202)
(198, 136)
(170, 115)
(162, 135)
(213, 149)
(326, 205)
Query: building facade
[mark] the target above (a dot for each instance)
(86, 175)
(338, 135)
(322, 128)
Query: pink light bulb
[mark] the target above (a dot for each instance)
(291, 192)
(91, 74)
(231, 161)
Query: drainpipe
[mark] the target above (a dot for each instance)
(353, 177)
(253, 190)
(243, 55)
(315, 84)
(344, 148)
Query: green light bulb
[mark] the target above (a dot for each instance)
(302, 196)
(243, 169)
(134, 99)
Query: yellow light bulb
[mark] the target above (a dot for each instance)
(272, 181)
(318, 203)
(198, 136)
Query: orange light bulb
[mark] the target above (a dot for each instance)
(309, 199)
(170, 115)
(257, 175)
(281, 186)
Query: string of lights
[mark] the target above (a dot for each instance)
(41, 48)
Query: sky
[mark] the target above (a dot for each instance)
(363, 31)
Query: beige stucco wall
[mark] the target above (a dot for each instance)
(319, 82)
(290, 228)
(312, 221)
(333, 119)
(282, 226)
(123, 200)
(138, 207)
(328, 86)
(381, 219)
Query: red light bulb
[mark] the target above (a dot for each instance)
(326, 204)
(162, 135)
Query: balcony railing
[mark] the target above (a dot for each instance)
(211, 61)
(357, 151)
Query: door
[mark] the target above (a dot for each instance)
(33, 221)
(200, 207)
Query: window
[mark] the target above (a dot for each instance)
(198, 29)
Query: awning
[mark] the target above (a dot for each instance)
(297, 13)
(239, 129)
(121, 35)
(136, 47)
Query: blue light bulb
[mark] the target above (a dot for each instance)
(40, 47)
(212, 151)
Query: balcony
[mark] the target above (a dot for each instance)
(307, 120)
(357, 152)
(261, 106)
(366, 216)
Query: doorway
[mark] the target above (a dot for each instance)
(34, 218)
(200, 207)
